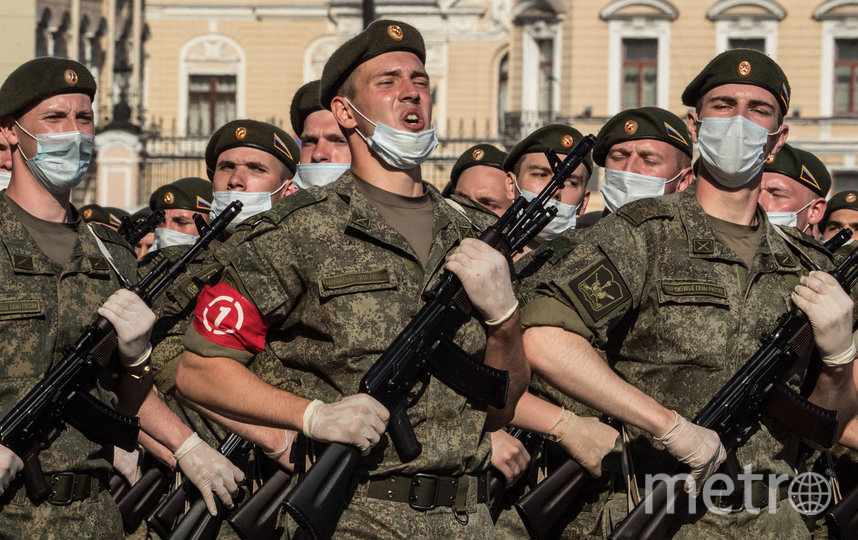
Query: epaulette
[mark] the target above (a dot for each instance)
(805, 239)
(106, 234)
(643, 210)
(286, 206)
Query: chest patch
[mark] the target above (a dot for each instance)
(693, 288)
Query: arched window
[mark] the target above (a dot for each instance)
(638, 54)
(211, 83)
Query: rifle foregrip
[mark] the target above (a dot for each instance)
(402, 434)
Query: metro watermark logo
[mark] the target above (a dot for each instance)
(808, 492)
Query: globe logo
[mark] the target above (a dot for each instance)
(809, 493)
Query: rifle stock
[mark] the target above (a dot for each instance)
(137, 502)
(544, 508)
(256, 519)
(317, 500)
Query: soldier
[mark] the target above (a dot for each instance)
(181, 200)
(677, 292)
(531, 171)
(143, 246)
(795, 184)
(326, 281)
(324, 150)
(108, 216)
(5, 162)
(646, 152)
(57, 273)
(841, 213)
(479, 176)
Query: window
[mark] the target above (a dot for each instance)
(546, 75)
(640, 72)
(211, 103)
(845, 87)
(757, 44)
(844, 181)
(503, 88)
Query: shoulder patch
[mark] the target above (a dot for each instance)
(643, 210)
(597, 291)
(807, 240)
(289, 204)
(107, 234)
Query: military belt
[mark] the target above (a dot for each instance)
(428, 491)
(69, 487)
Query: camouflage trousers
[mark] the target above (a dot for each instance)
(95, 518)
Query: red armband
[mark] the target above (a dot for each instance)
(225, 317)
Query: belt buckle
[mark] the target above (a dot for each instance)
(415, 482)
(54, 479)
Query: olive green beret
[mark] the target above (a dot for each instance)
(643, 123)
(479, 154)
(378, 38)
(305, 103)
(801, 166)
(557, 137)
(185, 194)
(740, 66)
(251, 133)
(847, 200)
(141, 214)
(40, 78)
(106, 215)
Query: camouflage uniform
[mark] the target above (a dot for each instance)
(677, 313)
(44, 307)
(336, 285)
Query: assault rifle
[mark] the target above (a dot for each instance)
(501, 496)
(134, 232)
(426, 346)
(757, 388)
(135, 502)
(256, 519)
(62, 396)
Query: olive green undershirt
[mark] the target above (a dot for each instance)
(742, 239)
(412, 217)
(55, 240)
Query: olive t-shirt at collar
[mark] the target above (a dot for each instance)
(744, 240)
(55, 240)
(412, 217)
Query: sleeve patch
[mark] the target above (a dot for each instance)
(599, 289)
(225, 317)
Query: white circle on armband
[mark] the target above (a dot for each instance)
(223, 311)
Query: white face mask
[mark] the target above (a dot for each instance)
(318, 174)
(622, 187)
(786, 219)
(400, 149)
(61, 159)
(168, 237)
(5, 176)
(732, 149)
(253, 202)
(565, 219)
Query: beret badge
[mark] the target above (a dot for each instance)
(850, 198)
(70, 77)
(168, 197)
(87, 213)
(395, 32)
(567, 141)
(744, 69)
(478, 154)
(240, 133)
(630, 127)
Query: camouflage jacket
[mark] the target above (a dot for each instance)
(336, 285)
(43, 308)
(676, 312)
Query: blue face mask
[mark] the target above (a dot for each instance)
(786, 219)
(165, 237)
(567, 216)
(400, 149)
(318, 174)
(732, 149)
(61, 159)
(253, 202)
(622, 187)
(5, 176)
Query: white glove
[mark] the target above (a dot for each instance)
(358, 420)
(125, 463)
(10, 466)
(132, 319)
(697, 447)
(509, 456)
(485, 274)
(829, 309)
(209, 470)
(585, 439)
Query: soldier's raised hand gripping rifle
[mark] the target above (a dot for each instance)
(426, 345)
(735, 411)
(62, 396)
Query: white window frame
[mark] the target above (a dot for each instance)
(532, 32)
(832, 30)
(212, 64)
(638, 28)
